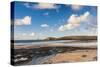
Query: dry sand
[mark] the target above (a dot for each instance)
(73, 56)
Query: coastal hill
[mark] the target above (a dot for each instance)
(73, 38)
(85, 38)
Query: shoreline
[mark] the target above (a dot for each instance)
(52, 45)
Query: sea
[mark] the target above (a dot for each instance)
(57, 42)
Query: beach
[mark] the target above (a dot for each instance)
(73, 56)
(53, 53)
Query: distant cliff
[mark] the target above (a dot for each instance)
(73, 38)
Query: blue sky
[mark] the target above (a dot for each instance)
(42, 20)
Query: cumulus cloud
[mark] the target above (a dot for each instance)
(74, 21)
(44, 25)
(25, 21)
(92, 23)
(76, 7)
(45, 6)
(41, 6)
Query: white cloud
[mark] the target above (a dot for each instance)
(25, 21)
(41, 6)
(45, 25)
(32, 34)
(45, 6)
(74, 21)
(27, 5)
(76, 7)
(24, 36)
(92, 23)
(28, 34)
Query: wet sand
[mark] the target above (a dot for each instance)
(28, 55)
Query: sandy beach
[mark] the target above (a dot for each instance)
(73, 56)
(30, 54)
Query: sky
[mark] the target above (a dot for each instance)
(42, 20)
